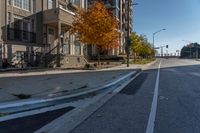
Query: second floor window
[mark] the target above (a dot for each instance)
(24, 4)
(50, 4)
(18, 3)
(76, 2)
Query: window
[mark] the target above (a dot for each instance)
(25, 29)
(32, 25)
(18, 3)
(20, 55)
(77, 48)
(24, 4)
(17, 28)
(22, 28)
(17, 24)
(9, 19)
(34, 6)
(50, 4)
(10, 2)
(76, 2)
(71, 39)
(65, 49)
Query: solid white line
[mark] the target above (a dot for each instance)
(152, 116)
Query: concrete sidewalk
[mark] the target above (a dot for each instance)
(57, 83)
(53, 83)
(56, 71)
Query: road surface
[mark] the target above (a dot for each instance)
(165, 100)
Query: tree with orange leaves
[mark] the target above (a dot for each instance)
(96, 27)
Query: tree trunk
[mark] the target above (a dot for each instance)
(99, 55)
(99, 58)
(134, 57)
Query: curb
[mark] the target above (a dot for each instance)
(89, 93)
(71, 120)
(149, 64)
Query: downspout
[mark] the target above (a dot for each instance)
(42, 29)
(5, 41)
(6, 20)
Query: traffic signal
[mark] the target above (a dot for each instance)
(166, 46)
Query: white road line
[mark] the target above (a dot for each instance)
(152, 116)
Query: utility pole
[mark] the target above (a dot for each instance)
(161, 51)
(155, 34)
(128, 34)
(128, 41)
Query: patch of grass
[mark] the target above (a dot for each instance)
(143, 61)
(88, 66)
(22, 96)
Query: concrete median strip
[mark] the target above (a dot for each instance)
(71, 120)
(73, 97)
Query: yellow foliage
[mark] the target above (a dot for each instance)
(96, 27)
(141, 46)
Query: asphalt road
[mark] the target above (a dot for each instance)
(30, 124)
(171, 101)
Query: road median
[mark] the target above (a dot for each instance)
(31, 104)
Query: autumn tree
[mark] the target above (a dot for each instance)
(96, 27)
(141, 47)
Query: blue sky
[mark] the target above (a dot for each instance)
(181, 18)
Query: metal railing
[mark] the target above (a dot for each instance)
(21, 35)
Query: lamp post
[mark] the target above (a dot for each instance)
(128, 31)
(155, 34)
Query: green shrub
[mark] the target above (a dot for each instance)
(87, 66)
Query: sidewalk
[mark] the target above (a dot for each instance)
(53, 83)
(56, 71)
(50, 84)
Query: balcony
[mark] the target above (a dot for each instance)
(58, 14)
(21, 36)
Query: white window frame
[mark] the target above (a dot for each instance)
(26, 5)
(22, 4)
(50, 4)
(76, 2)
(10, 2)
(22, 26)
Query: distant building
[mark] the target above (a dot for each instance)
(192, 50)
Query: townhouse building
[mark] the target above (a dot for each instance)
(36, 32)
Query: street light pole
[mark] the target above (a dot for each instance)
(128, 32)
(155, 34)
